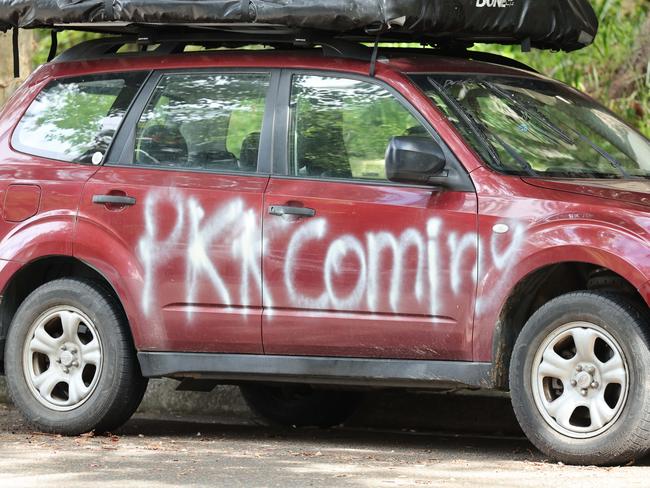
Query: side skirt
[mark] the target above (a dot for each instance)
(322, 370)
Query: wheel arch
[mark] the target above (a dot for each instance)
(35, 273)
(540, 286)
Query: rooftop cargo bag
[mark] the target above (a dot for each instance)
(547, 24)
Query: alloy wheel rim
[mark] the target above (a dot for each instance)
(62, 358)
(580, 380)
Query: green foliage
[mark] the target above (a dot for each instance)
(67, 40)
(597, 68)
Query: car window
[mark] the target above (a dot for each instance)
(75, 119)
(203, 121)
(532, 127)
(341, 128)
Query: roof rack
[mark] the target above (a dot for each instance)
(163, 42)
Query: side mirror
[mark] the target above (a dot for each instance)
(415, 160)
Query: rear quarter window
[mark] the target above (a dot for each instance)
(75, 119)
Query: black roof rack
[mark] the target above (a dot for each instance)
(163, 42)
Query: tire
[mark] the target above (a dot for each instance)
(579, 379)
(78, 378)
(300, 405)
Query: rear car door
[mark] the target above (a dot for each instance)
(354, 264)
(175, 213)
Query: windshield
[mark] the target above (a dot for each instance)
(534, 127)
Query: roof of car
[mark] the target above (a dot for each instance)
(401, 61)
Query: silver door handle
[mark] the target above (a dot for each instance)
(281, 211)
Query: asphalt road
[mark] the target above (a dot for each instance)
(165, 452)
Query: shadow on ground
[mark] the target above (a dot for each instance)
(395, 439)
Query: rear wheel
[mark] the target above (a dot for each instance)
(69, 359)
(578, 379)
(300, 405)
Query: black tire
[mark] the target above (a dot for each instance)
(626, 436)
(300, 405)
(119, 385)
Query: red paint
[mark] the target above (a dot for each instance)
(554, 221)
(114, 240)
(366, 329)
(21, 202)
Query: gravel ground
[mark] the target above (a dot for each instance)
(163, 451)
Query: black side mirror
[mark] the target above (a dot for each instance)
(415, 160)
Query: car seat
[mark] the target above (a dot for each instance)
(321, 146)
(162, 144)
(250, 149)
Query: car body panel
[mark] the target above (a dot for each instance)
(511, 227)
(550, 227)
(631, 191)
(372, 274)
(49, 230)
(188, 253)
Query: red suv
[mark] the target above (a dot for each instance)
(294, 223)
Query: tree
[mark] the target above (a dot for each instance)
(632, 75)
(27, 46)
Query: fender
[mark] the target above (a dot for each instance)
(106, 252)
(597, 243)
(45, 234)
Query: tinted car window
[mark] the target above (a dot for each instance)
(341, 128)
(73, 119)
(203, 121)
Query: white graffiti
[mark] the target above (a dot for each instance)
(312, 230)
(151, 247)
(196, 235)
(377, 243)
(380, 261)
(433, 230)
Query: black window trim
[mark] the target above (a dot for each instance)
(124, 141)
(282, 128)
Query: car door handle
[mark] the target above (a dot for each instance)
(121, 200)
(281, 211)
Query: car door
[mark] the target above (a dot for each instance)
(175, 214)
(355, 265)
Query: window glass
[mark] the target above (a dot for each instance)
(341, 128)
(203, 121)
(75, 118)
(539, 128)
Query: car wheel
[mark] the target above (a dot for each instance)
(579, 379)
(69, 359)
(300, 405)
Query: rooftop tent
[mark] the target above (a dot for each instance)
(546, 24)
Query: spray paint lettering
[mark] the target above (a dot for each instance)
(236, 232)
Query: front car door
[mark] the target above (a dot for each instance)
(175, 214)
(355, 265)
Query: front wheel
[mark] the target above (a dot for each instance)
(579, 379)
(69, 359)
